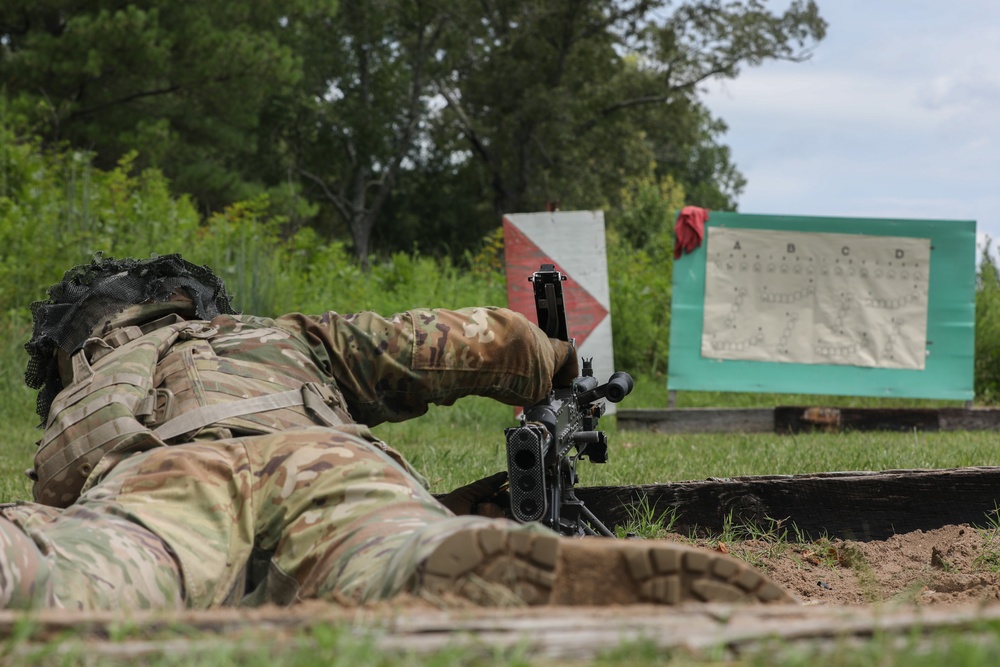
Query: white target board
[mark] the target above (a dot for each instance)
(574, 241)
(816, 298)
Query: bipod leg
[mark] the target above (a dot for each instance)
(596, 523)
(583, 515)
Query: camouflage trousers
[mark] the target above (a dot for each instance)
(311, 513)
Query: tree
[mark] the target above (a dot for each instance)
(411, 122)
(987, 357)
(359, 108)
(563, 99)
(181, 83)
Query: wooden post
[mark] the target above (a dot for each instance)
(849, 505)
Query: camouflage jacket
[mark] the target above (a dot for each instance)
(147, 384)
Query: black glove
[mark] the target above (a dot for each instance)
(484, 497)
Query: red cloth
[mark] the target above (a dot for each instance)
(689, 230)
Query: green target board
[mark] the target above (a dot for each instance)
(846, 306)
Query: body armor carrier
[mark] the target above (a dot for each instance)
(163, 383)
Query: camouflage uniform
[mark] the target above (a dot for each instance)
(251, 502)
(199, 460)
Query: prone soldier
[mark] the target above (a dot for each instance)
(195, 457)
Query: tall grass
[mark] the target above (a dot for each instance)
(17, 408)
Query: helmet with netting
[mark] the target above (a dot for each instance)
(91, 293)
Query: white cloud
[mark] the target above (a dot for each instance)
(893, 117)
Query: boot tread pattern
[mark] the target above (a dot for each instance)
(543, 569)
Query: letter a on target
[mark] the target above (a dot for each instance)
(574, 242)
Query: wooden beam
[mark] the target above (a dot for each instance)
(797, 419)
(400, 628)
(969, 419)
(698, 420)
(849, 505)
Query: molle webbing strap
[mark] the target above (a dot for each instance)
(310, 395)
(96, 413)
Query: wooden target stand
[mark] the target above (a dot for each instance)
(849, 505)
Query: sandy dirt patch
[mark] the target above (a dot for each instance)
(948, 565)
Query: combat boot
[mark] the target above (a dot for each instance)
(489, 565)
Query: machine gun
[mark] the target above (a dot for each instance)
(559, 430)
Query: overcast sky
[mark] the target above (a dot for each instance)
(895, 115)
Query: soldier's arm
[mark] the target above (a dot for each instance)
(392, 368)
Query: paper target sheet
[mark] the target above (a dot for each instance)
(816, 298)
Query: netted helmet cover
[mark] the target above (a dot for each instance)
(92, 293)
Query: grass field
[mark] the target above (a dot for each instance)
(455, 445)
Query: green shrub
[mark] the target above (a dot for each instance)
(325, 276)
(56, 210)
(640, 263)
(987, 364)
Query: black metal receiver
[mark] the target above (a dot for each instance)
(559, 430)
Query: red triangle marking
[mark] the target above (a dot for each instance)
(523, 257)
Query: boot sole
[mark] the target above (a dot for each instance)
(485, 564)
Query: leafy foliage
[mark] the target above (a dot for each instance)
(640, 259)
(987, 363)
(400, 124)
(566, 100)
(356, 114)
(57, 210)
(181, 83)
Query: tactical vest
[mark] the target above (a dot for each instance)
(162, 383)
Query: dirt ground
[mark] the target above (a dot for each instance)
(949, 565)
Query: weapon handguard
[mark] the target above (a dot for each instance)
(541, 464)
